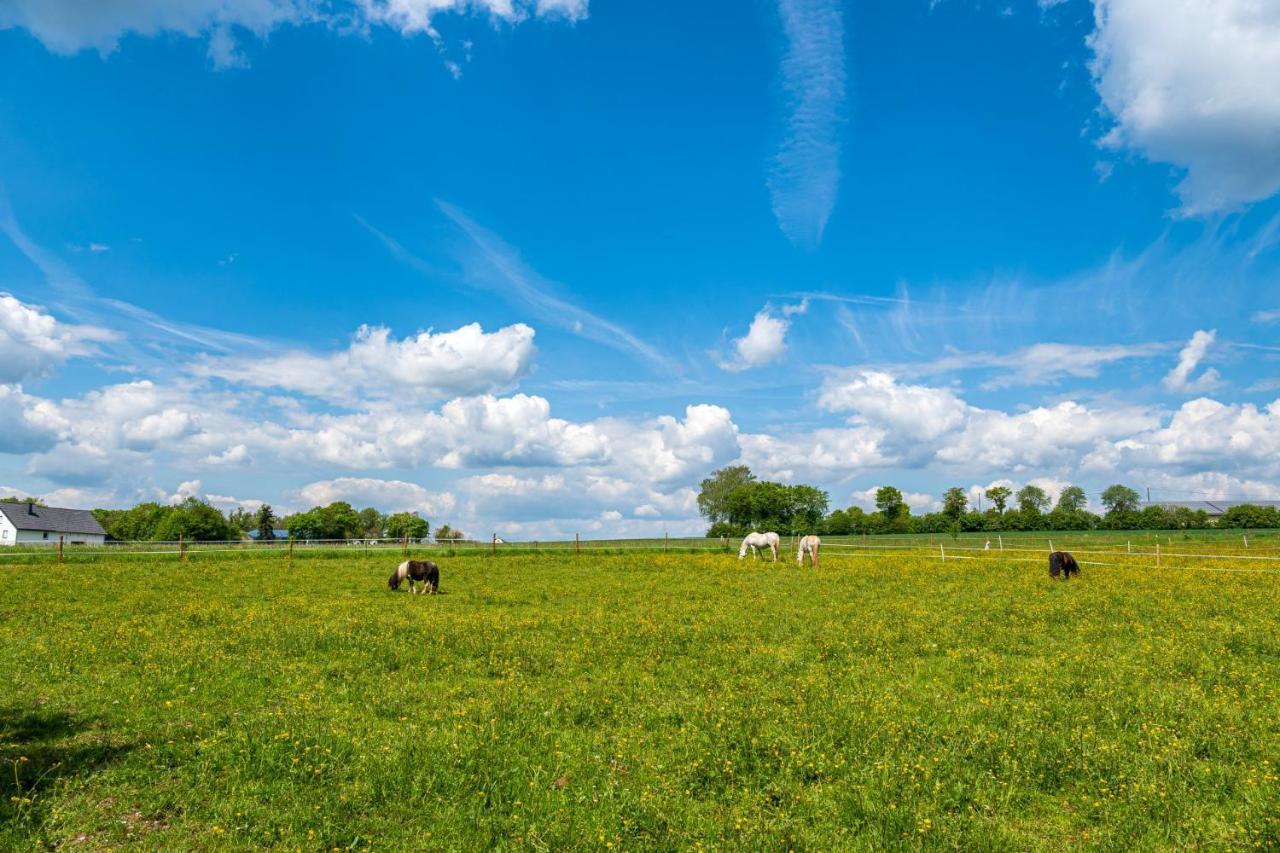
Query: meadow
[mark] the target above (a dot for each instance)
(637, 700)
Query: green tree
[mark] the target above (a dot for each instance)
(195, 521)
(713, 498)
(402, 524)
(372, 523)
(999, 495)
(136, 524)
(265, 523)
(338, 520)
(18, 500)
(808, 506)
(445, 533)
(1120, 499)
(890, 502)
(241, 520)
(1072, 499)
(955, 503)
(1032, 500)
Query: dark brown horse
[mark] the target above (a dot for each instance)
(1062, 563)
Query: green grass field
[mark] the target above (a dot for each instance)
(636, 701)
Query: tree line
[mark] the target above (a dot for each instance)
(197, 521)
(735, 503)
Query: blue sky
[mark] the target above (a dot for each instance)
(538, 267)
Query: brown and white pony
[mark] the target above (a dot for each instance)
(421, 571)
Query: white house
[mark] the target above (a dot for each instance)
(30, 524)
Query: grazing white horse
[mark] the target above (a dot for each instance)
(755, 541)
(809, 544)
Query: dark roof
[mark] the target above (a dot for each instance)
(51, 518)
(1211, 507)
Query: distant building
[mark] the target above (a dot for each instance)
(31, 524)
(1214, 509)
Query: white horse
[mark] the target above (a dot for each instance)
(755, 541)
(809, 544)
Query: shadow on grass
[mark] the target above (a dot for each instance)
(39, 747)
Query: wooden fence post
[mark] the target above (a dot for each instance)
(291, 551)
(60, 539)
(1157, 555)
(494, 549)
(1001, 538)
(943, 549)
(666, 541)
(577, 545)
(405, 545)
(182, 548)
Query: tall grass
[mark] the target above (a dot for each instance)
(636, 701)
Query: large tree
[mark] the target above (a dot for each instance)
(402, 524)
(1118, 499)
(954, 503)
(713, 498)
(1072, 499)
(1032, 499)
(265, 523)
(999, 496)
(890, 502)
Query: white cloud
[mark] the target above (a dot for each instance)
(1188, 82)
(1179, 378)
(430, 365)
(27, 424)
(667, 450)
(32, 342)
(765, 340)
(386, 495)
(69, 26)
(1271, 315)
(804, 176)
(1038, 364)
(413, 17)
(913, 412)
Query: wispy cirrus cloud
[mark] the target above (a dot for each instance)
(72, 295)
(804, 176)
(1039, 364)
(492, 264)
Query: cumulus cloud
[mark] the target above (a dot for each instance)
(916, 412)
(765, 340)
(27, 424)
(804, 176)
(429, 365)
(32, 342)
(1187, 83)
(386, 495)
(69, 26)
(1179, 378)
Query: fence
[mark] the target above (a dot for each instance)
(1235, 554)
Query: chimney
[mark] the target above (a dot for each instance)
(31, 507)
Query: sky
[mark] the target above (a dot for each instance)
(537, 267)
